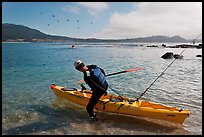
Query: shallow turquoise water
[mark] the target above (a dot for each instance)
(30, 107)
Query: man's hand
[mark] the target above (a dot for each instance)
(82, 87)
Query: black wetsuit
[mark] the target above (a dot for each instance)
(98, 89)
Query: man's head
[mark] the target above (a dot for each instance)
(79, 65)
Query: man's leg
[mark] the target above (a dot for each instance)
(92, 102)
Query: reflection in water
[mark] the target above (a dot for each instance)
(64, 117)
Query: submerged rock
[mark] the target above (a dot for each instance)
(177, 56)
(168, 55)
(198, 55)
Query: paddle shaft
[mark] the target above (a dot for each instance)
(129, 70)
(116, 73)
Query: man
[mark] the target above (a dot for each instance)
(95, 77)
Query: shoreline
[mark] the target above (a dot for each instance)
(16, 42)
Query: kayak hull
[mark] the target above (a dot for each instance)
(113, 104)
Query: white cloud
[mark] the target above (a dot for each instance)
(71, 9)
(94, 8)
(156, 18)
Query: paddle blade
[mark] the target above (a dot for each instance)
(80, 81)
(134, 69)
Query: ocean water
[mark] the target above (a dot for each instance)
(29, 107)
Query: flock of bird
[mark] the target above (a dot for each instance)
(59, 20)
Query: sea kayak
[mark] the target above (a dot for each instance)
(127, 106)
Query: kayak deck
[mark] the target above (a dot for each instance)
(127, 106)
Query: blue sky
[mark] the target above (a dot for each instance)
(107, 19)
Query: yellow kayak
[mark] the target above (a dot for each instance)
(127, 106)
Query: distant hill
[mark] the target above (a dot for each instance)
(13, 32)
(22, 33)
(159, 39)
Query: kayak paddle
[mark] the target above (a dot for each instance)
(129, 70)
